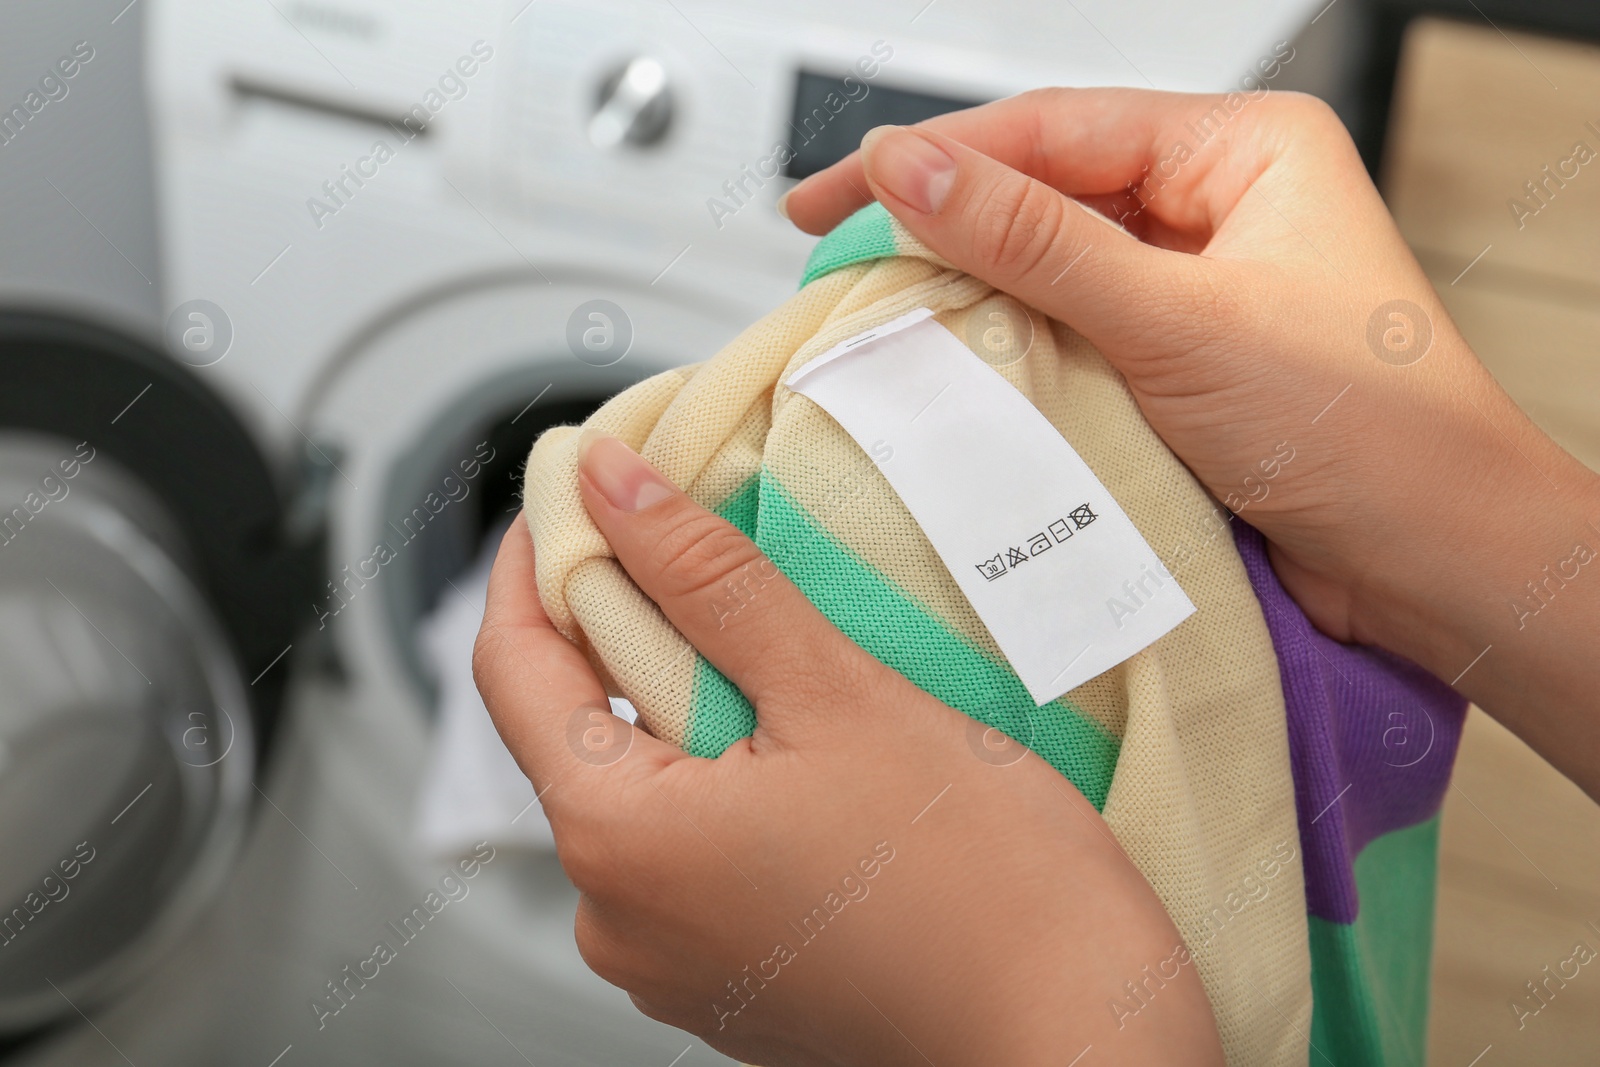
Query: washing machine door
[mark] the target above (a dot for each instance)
(429, 421)
(126, 746)
(129, 732)
(463, 383)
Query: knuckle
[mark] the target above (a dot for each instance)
(1306, 108)
(596, 947)
(602, 855)
(697, 551)
(1017, 225)
(485, 655)
(1302, 112)
(589, 862)
(1045, 100)
(661, 1014)
(1048, 94)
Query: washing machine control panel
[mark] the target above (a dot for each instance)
(324, 165)
(634, 105)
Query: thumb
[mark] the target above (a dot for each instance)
(1025, 238)
(722, 593)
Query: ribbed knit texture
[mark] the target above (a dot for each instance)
(1372, 739)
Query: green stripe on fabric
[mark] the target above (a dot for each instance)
(719, 714)
(890, 624)
(1369, 979)
(741, 506)
(868, 234)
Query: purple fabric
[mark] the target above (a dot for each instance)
(1372, 738)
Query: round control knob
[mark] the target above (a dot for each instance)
(633, 106)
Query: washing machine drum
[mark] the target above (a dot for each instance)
(126, 746)
(144, 575)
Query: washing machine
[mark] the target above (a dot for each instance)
(146, 572)
(396, 241)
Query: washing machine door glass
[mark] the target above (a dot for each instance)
(125, 738)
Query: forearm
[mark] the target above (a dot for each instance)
(1503, 601)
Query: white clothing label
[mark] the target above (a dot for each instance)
(1052, 565)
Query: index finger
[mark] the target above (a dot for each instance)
(1082, 142)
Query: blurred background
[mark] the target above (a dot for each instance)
(288, 288)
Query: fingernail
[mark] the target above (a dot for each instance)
(623, 477)
(909, 166)
(783, 204)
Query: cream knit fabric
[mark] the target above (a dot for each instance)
(1183, 746)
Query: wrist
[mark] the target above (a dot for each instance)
(1489, 552)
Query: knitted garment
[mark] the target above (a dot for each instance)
(1210, 780)
(1373, 739)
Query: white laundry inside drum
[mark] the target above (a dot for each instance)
(472, 790)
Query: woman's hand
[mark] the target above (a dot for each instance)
(1280, 337)
(852, 884)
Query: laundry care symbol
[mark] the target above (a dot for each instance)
(992, 568)
(1056, 532)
